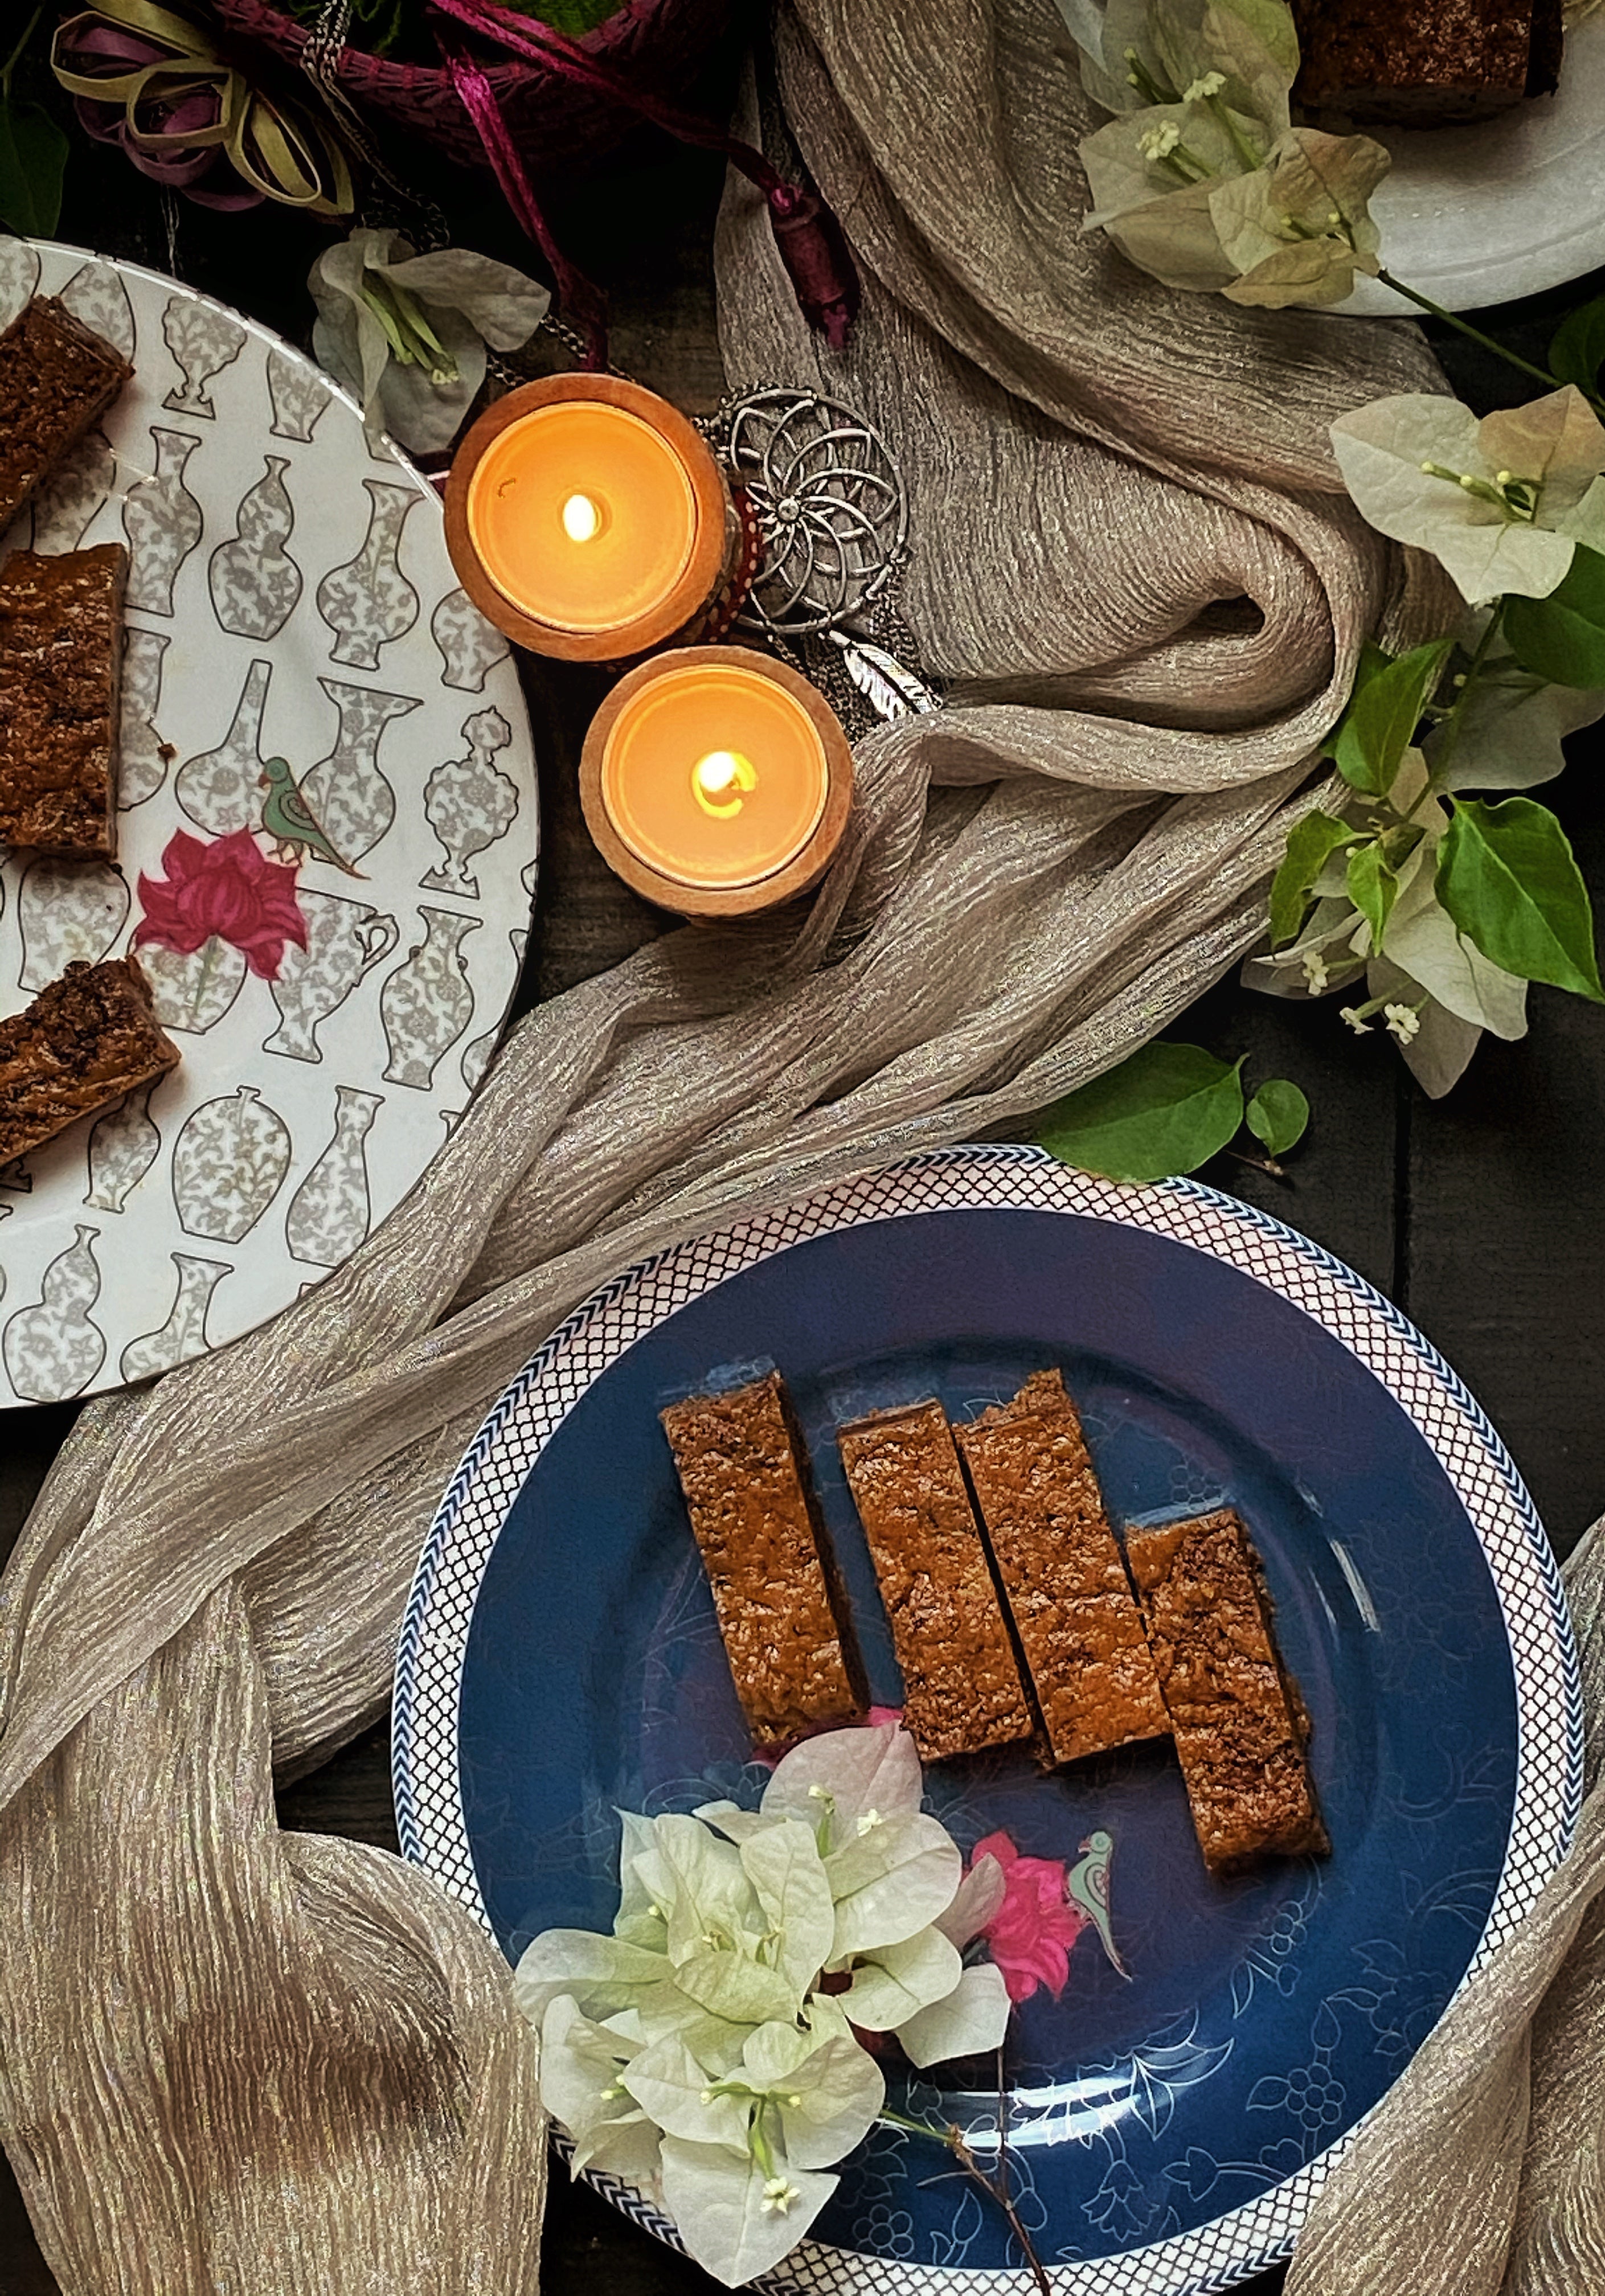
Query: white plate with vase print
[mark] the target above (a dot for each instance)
(1509, 207)
(293, 617)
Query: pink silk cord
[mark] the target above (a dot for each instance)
(810, 240)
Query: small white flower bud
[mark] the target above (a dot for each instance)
(1157, 143)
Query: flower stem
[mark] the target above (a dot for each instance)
(1454, 724)
(10, 65)
(209, 965)
(1260, 1163)
(1475, 334)
(413, 341)
(997, 2187)
(1223, 113)
(1147, 86)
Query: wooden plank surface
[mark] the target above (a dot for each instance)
(1479, 1216)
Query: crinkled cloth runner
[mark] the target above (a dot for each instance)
(235, 2060)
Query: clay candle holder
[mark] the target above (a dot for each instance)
(588, 521)
(716, 781)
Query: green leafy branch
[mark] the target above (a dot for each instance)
(1167, 1110)
(1448, 904)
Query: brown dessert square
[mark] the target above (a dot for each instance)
(961, 1682)
(84, 1042)
(781, 1610)
(1061, 1570)
(1423, 63)
(56, 378)
(1239, 1723)
(60, 673)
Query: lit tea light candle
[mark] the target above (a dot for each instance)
(717, 782)
(586, 518)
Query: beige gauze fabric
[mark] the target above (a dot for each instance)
(236, 2060)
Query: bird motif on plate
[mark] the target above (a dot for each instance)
(290, 821)
(1088, 1891)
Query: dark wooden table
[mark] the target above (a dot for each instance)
(1479, 1215)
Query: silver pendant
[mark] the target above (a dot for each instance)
(832, 514)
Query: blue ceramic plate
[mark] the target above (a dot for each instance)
(560, 1660)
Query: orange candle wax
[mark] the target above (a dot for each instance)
(716, 781)
(583, 516)
(588, 519)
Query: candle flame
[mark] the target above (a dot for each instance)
(582, 519)
(722, 771)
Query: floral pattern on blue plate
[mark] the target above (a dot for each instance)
(1167, 2130)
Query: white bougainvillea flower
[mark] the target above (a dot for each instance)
(1200, 179)
(1296, 230)
(745, 2213)
(1171, 236)
(1174, 188)
(581, 2069)
(407, 333)
(1155, 155)
(1152, 175)
(1424, 942)
(1437, 1053)
(1136, 53)
(1500, 503)
(711, 2048)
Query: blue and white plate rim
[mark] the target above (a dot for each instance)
(1549, 1785)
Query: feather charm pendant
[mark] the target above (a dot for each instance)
(889, 690)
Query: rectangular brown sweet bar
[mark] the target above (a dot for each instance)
(56, 378)
(1241, 1724)
(1423, 63)
(84, 1042)
(1061, 1570)
(961, 1682)
(779, 1603)
(60, 673)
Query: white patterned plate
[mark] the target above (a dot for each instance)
(291, 598)
(1481, 215)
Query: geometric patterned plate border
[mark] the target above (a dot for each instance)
(1549, 1782)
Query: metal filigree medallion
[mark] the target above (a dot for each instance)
(832, 516)
(830, 505)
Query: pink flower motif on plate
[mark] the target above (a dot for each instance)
(227, 888)
(1031, 1934)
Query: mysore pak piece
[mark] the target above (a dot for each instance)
(61, 675)
(1061, 1570)
(56, 378)
(1424, 63)
(781, 1610)
(84, 1042)
(961, 1682)
(1240, 1722)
